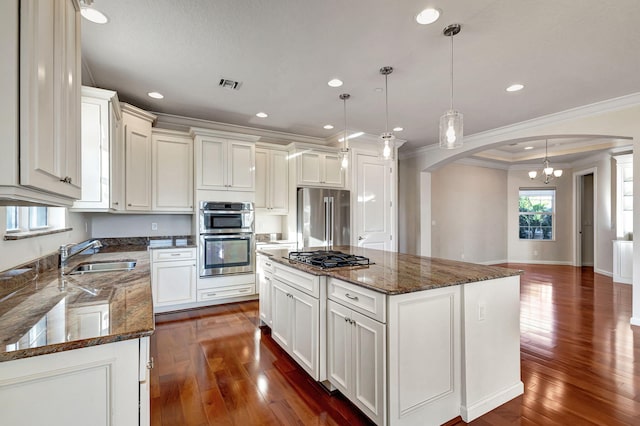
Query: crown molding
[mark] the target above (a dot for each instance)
(176, 122)
(468, 161)
(589, 110)
(138, 112)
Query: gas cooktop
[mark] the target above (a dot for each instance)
(326, 259)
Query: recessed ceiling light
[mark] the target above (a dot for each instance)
(93, 15)
(515, 87)
(335, 83)
(398, 129)
(155, 95)
(328, 126)
(526, 148)
(262, 115)
(379, 89)
(428, 16)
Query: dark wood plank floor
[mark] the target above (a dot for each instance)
(580, 363)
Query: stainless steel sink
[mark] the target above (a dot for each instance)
(103, 266)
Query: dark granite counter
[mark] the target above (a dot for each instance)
(397, 273)
(44, 312)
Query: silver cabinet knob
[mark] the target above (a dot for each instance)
(360, 238)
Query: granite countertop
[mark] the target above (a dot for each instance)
(44, 314)
(397, 273)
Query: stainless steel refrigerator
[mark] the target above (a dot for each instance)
(323, 217)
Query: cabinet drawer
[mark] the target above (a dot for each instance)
(160, 255)
(226, 292)
(360, 299)
(267, 265)
(302, 281)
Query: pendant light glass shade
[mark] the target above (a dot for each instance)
(451, 129)
(451, 126)
(344, 151)
(387, 141)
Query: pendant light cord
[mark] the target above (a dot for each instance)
(386, 103)
(451, 104)
(346, 140)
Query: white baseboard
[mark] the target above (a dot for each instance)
(603, 272)
(490, 402)
(493, 262)
(587, 264)
(635, 321)
(542, 262)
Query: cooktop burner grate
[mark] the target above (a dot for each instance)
(326, 259)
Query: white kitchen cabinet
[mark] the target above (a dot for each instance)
(102, 383)
(137, 158)
(224, 161)
(356, 361)
(319, 168)
(101, 132)
(264, 279)
(623, 261)
(295, 325)
(272, 181)
(172, 167)
(173, 278)
(40, 128)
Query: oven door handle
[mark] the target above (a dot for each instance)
(242, 236)
(225, 212)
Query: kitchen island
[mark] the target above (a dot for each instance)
(410, 340)
(76, 346)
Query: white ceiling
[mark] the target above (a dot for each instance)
(567, 53)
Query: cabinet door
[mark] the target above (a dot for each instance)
(304, 345)
(333, 174)
(137, 167)
(49, 98)
(278, 182)
(241, 164)
(280, 314)
(211, 162)
(339, 347)
(309, 171)
(173, 282)
(172, 173)
(95, 155)
(262, 180)
(265, 299)
(369, 366)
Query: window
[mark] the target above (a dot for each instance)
(26, 220)
(536, 214)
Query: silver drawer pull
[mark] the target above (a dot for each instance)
(267, 264)
(351, 297)
(210, 294)
(176, 254)
(244, 291)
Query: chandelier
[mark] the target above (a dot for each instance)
(548, 173)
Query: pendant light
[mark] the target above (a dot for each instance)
(344, 151)
(451, 122)
(548, 173)
(387, 143)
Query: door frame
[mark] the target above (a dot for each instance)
(577, 216)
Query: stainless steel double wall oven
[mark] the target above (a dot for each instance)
(227, 244)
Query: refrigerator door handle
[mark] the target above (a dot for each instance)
(326, 221)
(331, 220)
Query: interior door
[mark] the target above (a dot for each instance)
(373, 209)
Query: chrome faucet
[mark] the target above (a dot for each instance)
(67, 251)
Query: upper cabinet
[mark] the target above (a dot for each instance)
(272, 181)
(41, 109)
(172, 166)
(320, 168)
(224, 161)
(137, 158)
(101, 135)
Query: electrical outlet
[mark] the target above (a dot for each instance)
(462, 256)
(154, 226)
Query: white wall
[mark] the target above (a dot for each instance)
(409, 206)
(469, 213)
(106, 225)
(16, 252)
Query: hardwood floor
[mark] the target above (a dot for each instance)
(580, 363)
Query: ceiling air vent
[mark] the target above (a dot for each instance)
(229, 84)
